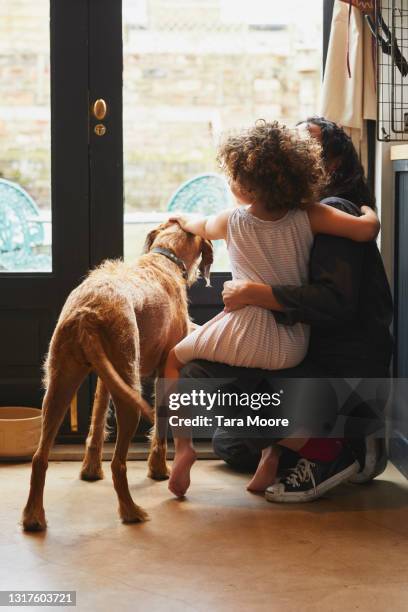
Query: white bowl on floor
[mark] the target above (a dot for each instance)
(20, 430)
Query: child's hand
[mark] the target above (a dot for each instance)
(182, 220)
(371, 216)
(192, 223)
(366, 210)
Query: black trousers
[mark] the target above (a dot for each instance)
(319, 408)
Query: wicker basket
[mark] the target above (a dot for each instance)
(20, 430)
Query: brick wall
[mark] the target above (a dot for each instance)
(24, 96)
(188, 76)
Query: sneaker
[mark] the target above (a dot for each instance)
(311, 479)
(372, 455)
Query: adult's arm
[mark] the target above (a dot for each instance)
(239, 293)
(332, 295)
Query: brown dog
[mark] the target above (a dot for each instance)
(120, 323)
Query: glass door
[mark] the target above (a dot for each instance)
(110, 114)
(44, 186)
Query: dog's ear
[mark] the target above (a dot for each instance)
(150, 238)
(207, 258)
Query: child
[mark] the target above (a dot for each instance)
(275, 176)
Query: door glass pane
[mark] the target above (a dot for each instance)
(25, 168)
(194, 69)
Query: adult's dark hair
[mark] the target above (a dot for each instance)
(347, 180)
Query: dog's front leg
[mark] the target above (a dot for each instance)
(157, 466)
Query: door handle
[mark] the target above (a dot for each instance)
(99, 109)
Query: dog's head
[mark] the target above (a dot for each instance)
(196, 252)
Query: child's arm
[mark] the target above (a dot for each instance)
(209, 228)
(326, 219)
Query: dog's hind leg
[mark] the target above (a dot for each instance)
(63, 384)
(92, 464)
(124, 358)
(127, 420)
(156, 463)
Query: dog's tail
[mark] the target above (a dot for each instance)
(95, 353)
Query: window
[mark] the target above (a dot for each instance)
(194, 69)
(25, 166)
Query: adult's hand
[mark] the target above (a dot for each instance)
(240, 293)
(235, 295)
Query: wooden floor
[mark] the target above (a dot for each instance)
(220, 549)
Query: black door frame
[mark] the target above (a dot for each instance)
(106, 152)
(398, 441)
(327, 21)
(30, 302)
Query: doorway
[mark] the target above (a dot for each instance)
(111, 108)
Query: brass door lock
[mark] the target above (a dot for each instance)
(99, 110)
(100, 129)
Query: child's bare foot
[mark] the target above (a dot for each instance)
(266, 471)
(180, 471)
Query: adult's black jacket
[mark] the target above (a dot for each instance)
(348, 304)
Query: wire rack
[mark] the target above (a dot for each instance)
(391, 35)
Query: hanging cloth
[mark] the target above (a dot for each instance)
(368, 8)
(349, 101)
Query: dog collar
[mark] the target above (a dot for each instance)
(173, 257)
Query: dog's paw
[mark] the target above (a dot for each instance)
(91, 474)
(134, 514)
(34, 521)
(158, 471)
(157, 467)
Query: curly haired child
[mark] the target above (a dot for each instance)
(275, 176)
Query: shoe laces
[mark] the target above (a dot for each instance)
(302, 472)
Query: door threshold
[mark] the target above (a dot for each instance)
(138, 451)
